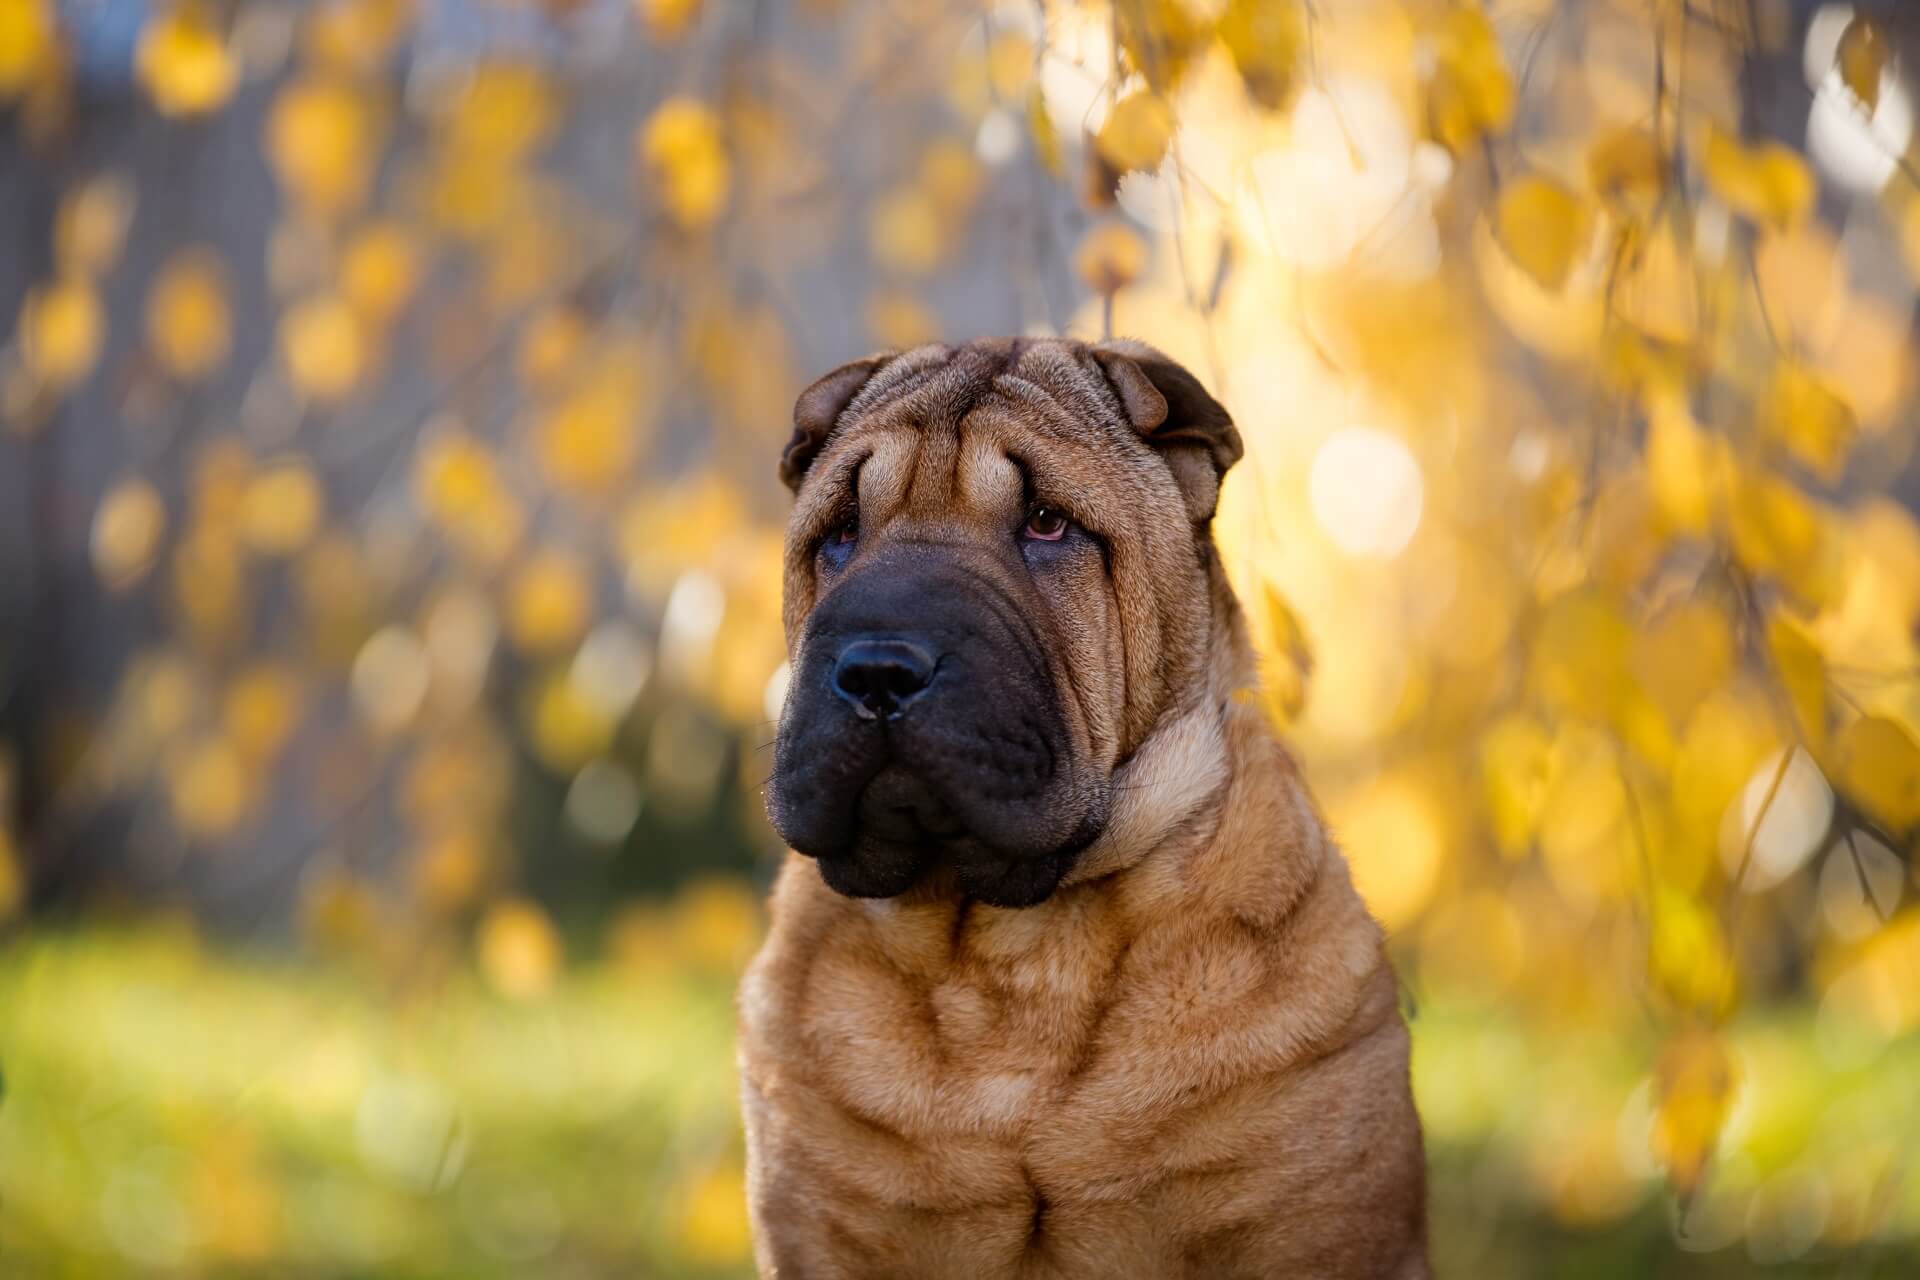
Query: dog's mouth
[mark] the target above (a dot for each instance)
(905, 835)
(898, 806)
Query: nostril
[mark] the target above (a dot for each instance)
(879, 677)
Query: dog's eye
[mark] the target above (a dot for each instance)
(1044, 524)
(837, 547)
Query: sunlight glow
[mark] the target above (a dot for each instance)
(1367, 492)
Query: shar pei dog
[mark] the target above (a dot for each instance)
(1065, 976)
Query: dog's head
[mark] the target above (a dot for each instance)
(998, 580)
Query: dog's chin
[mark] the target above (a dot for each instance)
(955, 866)
(885, 869)
(903, 838)
(871, 869)
(1013, 882)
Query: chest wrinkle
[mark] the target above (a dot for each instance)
(1014, 1003)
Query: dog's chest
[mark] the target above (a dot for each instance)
(992, 1014)
(1042, 1042)
(1041, 1082)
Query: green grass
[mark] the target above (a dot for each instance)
(170, 1107)
(179, 1110)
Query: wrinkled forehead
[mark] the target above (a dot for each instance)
(944, 383)
(1002, 409)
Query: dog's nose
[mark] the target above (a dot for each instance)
(880, 677)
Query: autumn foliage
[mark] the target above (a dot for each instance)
(1572, 344)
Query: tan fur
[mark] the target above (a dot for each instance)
(1189, 1060)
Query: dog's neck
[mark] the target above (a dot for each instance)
(1177, 776)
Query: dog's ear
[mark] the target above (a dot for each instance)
(818, 409)
(1173, 413)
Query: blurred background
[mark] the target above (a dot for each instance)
(389, 640)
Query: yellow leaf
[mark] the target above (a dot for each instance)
(1768, 182)
(1693, 1086)
(456, 777)
(90, 227)
(1801, 278)
(210, 586)
(565, 727)
(716, 924)
(127, 529)
(950, 174)
(184, 63)
(1686, 654)
(456, 476)
(1286, 661)
(339, 910)
(358, 36)
(1803, 674)
(450, 870)
(507, 111)
(164, 692)
(1161, 39)
(1393, 830)
(1046, 143)
(1725, 741)
(1137, 133)
(283, 508)
(261, 709)
(220, 477)
(1862, 59)
(1868, 361)
(1684, 466)
(519, 950)
(897, 319)
(1471, 92)
(1656, 290)
(1626, 162)
(27, 44)
(209, 788)
(551, 345)
(1565, 324)
(62, 326)
(1265, 38)
(549, 602)
(667, 20)
(322, 347)
(1879, 767)
(335, 596)
(1801, 412)
(1642, 363)
(322, 144)
(1778, 532)
(662, 536)
(1689, 960)
(1586, 834)
(1544, 228)
(588, 440)
(1514, 757)
(1579, 658)
(1111, 257)
(379, 270)
(1009, 65)
(459, 486)
(682, 153)
(907, 231)
(188, 324)
(711, 1226)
